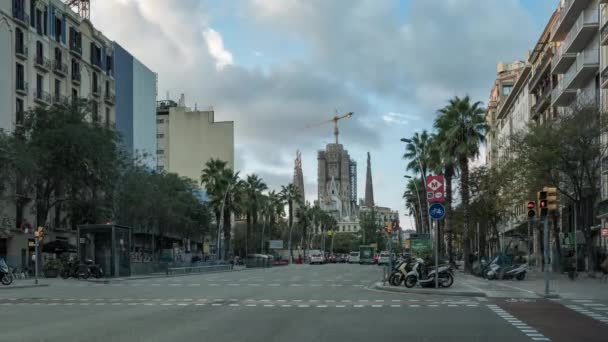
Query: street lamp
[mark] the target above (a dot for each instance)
(407, 141)
(417, 195)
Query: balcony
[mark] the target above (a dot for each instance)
(542, 101)
(76, 77)
(60, 68)
(539, 71)
(561, 96)
(58, 99)
(96, 90)
(21, 51)
(604, 77)
(583, 29)
(42, 63)
(566, 17)
(76, 49)
(109, 97)
(42, 97)
(96, 62)
(604, 34)
(586, 66)
(586, 98)
(562, 60)
(21, 87)
(22, 18)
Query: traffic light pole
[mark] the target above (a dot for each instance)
(547, 263)
(436, 253)
(36, 262)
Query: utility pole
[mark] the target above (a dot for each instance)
(547, 263)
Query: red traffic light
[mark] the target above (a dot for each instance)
(531, 205)
(543, 204)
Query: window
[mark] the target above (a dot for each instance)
(39, 51)
(160, 121)
(160, 136)
(19, 46)
(57, 29)
(95, 111)
(32, 13)
(95, 83)
(75, 69)
(39, 82)
(107, 87)
(109, 64)
(74, 94)
(57, 90)
(160, 151)
(58, 55)
(160, 168)
(40, 20)
(46, 15)
(19, 112)
(20, 77)
(506, 89)
(107, 117)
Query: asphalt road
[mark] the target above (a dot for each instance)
(297, 303)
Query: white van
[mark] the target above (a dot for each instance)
(353, 258)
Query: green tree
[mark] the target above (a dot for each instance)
(465, 128)
(253, 187)
(418, 152)
(290, 195)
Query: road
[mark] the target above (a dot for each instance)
(296, 303)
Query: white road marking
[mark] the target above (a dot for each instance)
(358, 306)
(303, 306)
(286, 305)
(395, 306)
(251, 305)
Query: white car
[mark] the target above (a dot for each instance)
(353, 258)
(317, 259)
(384, 258)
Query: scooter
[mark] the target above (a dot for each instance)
(515, 271)
(400, 271)
(95, 270)
(419, 274)
(75, 270)
(6, 277)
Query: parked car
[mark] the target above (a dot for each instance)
(341, 258)
(353, 258)
(384, 258)
(317, 259)
(331, 259)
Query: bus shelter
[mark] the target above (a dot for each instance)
(108, 245)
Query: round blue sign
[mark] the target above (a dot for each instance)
(437, 211)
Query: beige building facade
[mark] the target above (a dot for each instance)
(187, 139)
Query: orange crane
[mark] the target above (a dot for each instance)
(335, 120)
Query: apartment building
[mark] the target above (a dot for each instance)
(136, 91)
(506, 75)
(603, 204)
(49, 54)
(187, 139)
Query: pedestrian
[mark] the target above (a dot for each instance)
(604, 267)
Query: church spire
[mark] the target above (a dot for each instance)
(369, 188)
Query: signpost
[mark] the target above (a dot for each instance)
(435, 195)
(435, 189)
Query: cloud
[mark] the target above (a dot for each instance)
(215, 45)
(399, 118)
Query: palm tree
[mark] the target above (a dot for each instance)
(265, 207)
(254, 186)
(291, 195)
(464, 128)
(304, 213)
(211, 179)
(417, 151)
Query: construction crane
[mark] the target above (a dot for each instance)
(82, 7)
(335, 120)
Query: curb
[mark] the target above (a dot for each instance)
(443, 292)
(159, 276)
(23, 286)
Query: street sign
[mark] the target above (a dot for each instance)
(436, 211)
(420, 245)
(435, 188)
(605, 232)
(276, 244)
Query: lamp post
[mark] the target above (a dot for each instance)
(407, 141)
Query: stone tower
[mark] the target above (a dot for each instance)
(369, 187)
(298, 176)
(335, 176)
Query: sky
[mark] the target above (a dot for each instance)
(274, 67)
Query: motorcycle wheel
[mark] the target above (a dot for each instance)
(410, 281)
(7, 279)
(521, 276)
(65, 274)
(98, 273)
(395, 279)
(447, 280)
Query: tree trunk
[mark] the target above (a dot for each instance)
(464, 196)
(247, 230)
(557, 264)
(289, 246)
(227, 229)
(448, 212)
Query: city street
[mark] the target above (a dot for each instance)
(297, 303)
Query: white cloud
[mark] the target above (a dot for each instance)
(215, 44)
(257, 53)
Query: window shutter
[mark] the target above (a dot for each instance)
(63, 30)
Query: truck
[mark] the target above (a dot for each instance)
(366, 255)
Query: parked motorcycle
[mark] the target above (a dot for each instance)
(400, 271)
(507, 272)
(6, 277)
(426, 277)
(94, 269)
(75, 270)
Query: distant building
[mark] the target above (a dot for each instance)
(336, 181)
(187, 139)
(369, 187)
(136, 87)
(298, 176)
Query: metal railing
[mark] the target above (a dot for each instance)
(60, 67)
(43, 62)
(42, 95)
(96, 61)
(77, 49)
(21, 49)
(21, 85)
(562, 13)
(539, 70)
(19, 14)
(76, 76)
(96, 90)
(583, 59)
(109, 97)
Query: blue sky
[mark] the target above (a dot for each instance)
(275, 66)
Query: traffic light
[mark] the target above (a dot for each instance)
(543, 204)
(551, 197)
(531, 205)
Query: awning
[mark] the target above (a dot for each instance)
(58, 246)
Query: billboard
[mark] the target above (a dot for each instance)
(276, 244)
